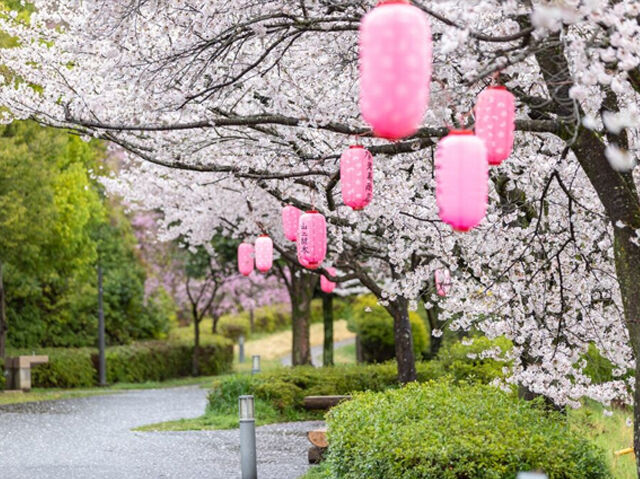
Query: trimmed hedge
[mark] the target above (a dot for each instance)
(233, 327)
(139, 362)
(159, 361)
(440, 430)
(374, 326)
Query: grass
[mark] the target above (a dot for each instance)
(611, 433)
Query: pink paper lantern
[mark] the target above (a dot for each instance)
(264, 253)
(443, 282)
(395, 68)
(356, 177)
(462, 180)
(325, 285)
(495, 122)
(312, 239)
(290, 219)
(245, 259)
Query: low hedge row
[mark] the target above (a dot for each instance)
(285, 388)
(139, 362)
(446, 431)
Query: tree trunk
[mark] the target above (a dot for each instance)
(214, 323)
(435, 343)
(195, 370)
(302, 286)
(405, 357)
(327, 314)
(3, 316)
(251, 320)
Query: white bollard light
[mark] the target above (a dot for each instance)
(255, 364)
(247, 438)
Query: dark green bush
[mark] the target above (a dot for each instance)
(3, 378)
(159, 361)
(138, 362)
(67, 368)
(442, 431)
(234, 326)
(285, 388)
(374, 326)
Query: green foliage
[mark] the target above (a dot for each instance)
(440, 430)
(135, 363)
(599, 368)
(466, 363)
(67, 368)
(159, 361)
(374, 326)
(270, 319)
(234, 326)
(54, 225)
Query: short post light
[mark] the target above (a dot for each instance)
(255, 364)
(247, 438)
(241, 349)
(531, 475)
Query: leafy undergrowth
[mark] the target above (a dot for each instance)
(612, 433)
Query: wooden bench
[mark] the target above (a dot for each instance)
(318, 437)
(19, 369)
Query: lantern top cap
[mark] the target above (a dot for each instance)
(356, 146)
(312, 212)
(461, 132)
(263, 236)
(391, 2)
(498, 87)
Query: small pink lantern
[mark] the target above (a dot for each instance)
(462, 178)
(325, 285)
(356, 177)
(290, 220)
(395, 68)
(312, 239)
(495, 122)
(443, 282)
(264, 253)
(245, 259)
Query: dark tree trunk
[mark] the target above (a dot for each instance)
(435, 343)
(195, 370)
(405, 357)
(251, 320)
(3, 316)
(214, 323)
(327, 314)
(302, 286)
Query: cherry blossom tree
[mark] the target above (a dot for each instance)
(228, 112)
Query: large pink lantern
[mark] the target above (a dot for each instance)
(312, 239)
(495, 122)
(395, 68)
(245, 259)
(290, 220)
(462, 178)
(356, 177)
(264, 253)
(443, 282)
(325, 285)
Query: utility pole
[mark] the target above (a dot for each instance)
(102, 363)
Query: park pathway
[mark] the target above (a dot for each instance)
(92, 437)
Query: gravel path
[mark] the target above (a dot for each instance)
(316, 352)
(92, 437)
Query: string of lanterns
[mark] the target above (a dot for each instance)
(396, 66)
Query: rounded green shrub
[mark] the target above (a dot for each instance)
(465, 361)
(233, 327)
(270, 319)
(438, 430)
(374, 326)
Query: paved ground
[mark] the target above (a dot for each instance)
(316, 352)
(92, 438)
